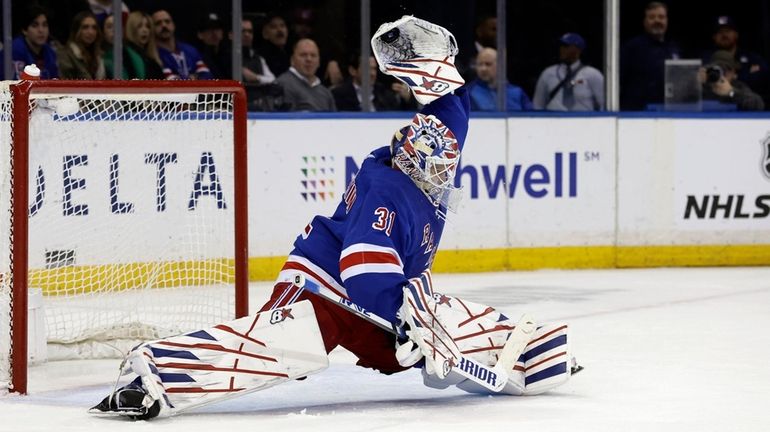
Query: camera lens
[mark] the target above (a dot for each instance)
(713, 74)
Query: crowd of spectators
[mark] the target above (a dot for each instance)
(284, 68)
(643, 59)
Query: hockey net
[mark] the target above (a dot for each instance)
(124, 204)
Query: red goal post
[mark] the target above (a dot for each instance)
(179, 101)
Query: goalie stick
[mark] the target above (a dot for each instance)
(493, 378)
(302, 282)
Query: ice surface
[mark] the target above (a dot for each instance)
(664, 350)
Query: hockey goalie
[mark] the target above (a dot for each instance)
(361, 278)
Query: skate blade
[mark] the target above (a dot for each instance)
(129, 414)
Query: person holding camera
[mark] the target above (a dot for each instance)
(753, 70)
(720, 82)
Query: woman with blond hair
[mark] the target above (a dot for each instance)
(140, 36)
(133, 64)
(81, 56)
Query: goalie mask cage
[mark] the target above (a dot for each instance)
(124, 203)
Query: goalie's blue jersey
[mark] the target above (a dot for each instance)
(384, 232)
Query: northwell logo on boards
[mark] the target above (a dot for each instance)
(555, 176)
(733, 206)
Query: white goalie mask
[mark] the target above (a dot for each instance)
(428, 152)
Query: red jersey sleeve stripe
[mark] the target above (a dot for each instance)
(357, 258)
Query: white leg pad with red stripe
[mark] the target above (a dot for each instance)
(480, 332)
(230, 359)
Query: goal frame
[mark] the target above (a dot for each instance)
(20, 115)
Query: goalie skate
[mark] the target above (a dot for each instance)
(131, 401)
(575, 367)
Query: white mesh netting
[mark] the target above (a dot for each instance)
(131, 225)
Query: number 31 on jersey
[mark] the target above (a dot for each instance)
(384, 220)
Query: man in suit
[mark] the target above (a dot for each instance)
(347, 96)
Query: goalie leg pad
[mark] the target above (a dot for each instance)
(230, 359)
(544, 365)
(547, 359)
(480, 332)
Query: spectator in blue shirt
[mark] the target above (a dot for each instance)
(642, 61)
(483, 90)
(32, 46)
(180, 60)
